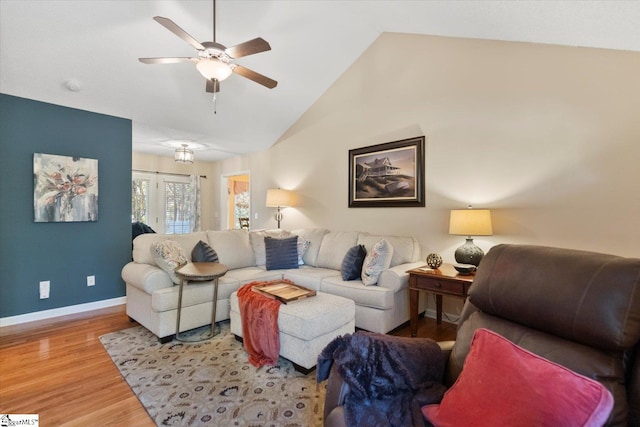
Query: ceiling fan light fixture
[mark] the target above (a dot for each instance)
(213, 69)
(183, 154)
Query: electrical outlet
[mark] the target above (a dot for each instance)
(44, 289)
(91, 280)
(255, 215)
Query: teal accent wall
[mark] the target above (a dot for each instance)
(63, 253)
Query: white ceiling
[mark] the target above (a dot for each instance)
(44, 44)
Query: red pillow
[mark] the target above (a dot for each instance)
(502, 384)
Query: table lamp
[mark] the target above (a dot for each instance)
(470, 222)
(278, 198)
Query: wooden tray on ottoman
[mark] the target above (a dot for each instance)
(283, 291)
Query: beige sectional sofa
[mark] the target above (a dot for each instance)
(152, 297)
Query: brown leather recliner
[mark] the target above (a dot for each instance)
(578, 309)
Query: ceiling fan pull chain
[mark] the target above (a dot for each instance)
(216, 88)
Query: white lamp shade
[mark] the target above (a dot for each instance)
(277, 197)
(213, 69)
(470, 222)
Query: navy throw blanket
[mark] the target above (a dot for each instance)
(138, 228)
(389, 378)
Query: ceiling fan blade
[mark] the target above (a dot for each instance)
(213, 86)
(166, 60)
(256, 77)
(248, 48)
(175, 29)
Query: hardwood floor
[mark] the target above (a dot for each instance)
(59, 370)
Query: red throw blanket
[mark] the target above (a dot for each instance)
(260, 333)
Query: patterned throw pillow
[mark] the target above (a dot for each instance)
(281, 253)
(377, 260)
(303, 246)
(352, 263)
(169, 255)
(202, 252)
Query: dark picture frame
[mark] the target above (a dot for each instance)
(387, 175)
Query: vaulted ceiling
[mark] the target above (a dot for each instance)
(84, 54)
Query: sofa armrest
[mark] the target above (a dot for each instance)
(146, 277)
(397, 278)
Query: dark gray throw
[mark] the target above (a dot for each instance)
(390, 378)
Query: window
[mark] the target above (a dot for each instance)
(177, 207)
(164, 202)
(140, 200)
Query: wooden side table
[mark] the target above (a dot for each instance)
(199, 271)
(442, 281)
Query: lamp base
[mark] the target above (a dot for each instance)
(278, 216)
(469, 253)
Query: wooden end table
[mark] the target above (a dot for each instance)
(199, 271)
(444, 280)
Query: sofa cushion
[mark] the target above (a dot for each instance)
(194, 294)
(252, 274)
(257, 242)
(351, 268)
(281, 253)
(377, 260)
(310, 277)
(405, 249)
(142, 244)
(502, 384)
(366, 296)
(314, 236)
(334, 246)
(202, 252)
(233, 247)
(169, 255)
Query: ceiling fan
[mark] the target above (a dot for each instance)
(215, 61)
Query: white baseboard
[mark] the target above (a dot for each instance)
(63, 311)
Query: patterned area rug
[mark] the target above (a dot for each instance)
(211, 383)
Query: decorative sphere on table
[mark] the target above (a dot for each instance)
(434, 260)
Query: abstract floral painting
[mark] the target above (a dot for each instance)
(65, 189)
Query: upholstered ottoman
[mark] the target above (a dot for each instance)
(306, 326)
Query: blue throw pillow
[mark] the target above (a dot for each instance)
(281, 253)
(202, 252)
(352, 263)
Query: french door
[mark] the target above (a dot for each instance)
(163, 202)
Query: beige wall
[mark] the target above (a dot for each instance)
(547, 137)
